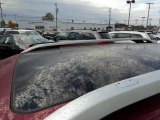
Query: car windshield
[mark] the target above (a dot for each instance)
(104, 35)
(30, 40)
(62, 36)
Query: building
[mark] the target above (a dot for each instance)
(37, 25)
(40, 25)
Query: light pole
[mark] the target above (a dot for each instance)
(149, 4)
(110, 10)
(142, 20)
(56, 16)
(130, 3)
(150, 19)
(2, 25)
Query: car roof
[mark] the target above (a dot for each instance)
(90, 31)
(20, 30)
(134, 32)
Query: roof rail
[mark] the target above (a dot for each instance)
(81, 42)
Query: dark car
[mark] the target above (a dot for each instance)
(80, 35)
(14, 44)
(90, 82)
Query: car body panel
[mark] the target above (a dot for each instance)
(148, 109)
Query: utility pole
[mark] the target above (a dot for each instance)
(56, 16)
(130, 4)
(1, 14)
(110, 10)
(159, 19)
(149, 4)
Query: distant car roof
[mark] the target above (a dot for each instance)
(21, 32)
(136, 32)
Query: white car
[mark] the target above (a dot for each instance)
(157, 38)
(132, 34)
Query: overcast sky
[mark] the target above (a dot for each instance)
(82, 10)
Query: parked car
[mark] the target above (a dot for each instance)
(14, 44)
(132, 34)
(157, 37)
(49, 34)
(81, 83)
(80, 35)
(23, 32)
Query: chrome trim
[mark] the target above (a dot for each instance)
(78, 42)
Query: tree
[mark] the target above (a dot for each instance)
(48, 17)
(10, 24)
(120, 25)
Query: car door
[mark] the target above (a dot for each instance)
(7, 47)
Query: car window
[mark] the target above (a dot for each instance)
(151, 36)
(120, 35)
(11, 32)
(29, 32)
(30, 40)
(104, 35)
(7, 40)
(87, 36)
(158, 38)
(74, 36)
(136, 36)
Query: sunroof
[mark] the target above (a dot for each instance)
(46, 78)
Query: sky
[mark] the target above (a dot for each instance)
(93, 11)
